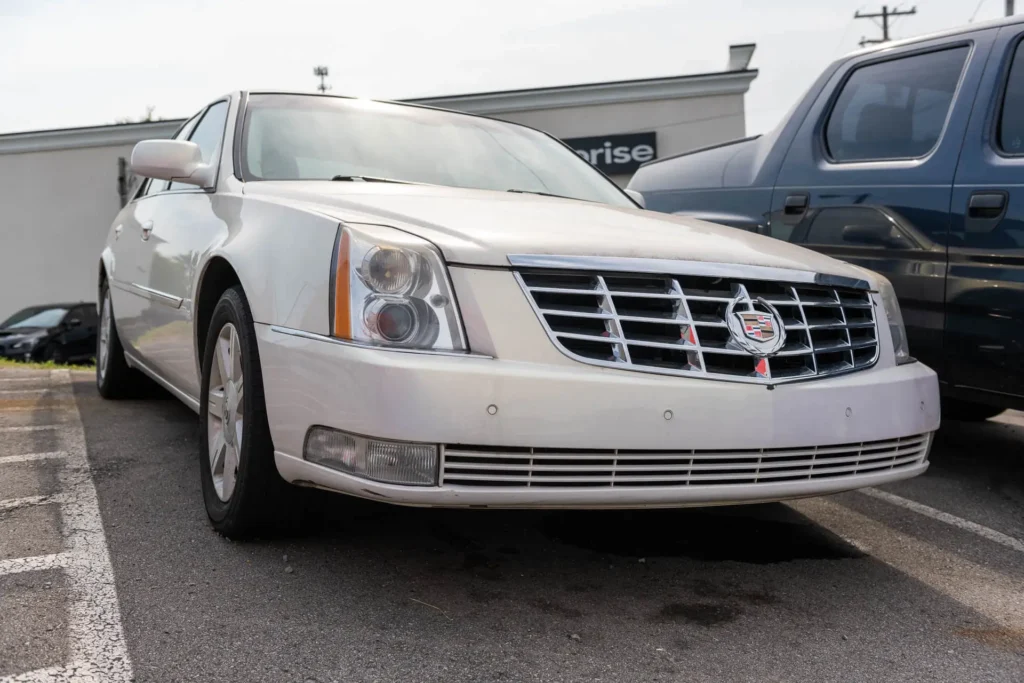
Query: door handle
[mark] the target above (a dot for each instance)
(984, 209)
(794, 208)
(147, 228)
(795, 204)
(986, 204)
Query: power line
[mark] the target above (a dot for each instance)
(886, 15)
(976, 10)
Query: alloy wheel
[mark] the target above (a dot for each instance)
(225, 411)
(105, 324)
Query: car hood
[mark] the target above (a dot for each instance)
(482, 227)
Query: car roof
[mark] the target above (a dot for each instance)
(948, 33)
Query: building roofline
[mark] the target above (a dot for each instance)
(584, 94)
(496, 102)
(86, 136)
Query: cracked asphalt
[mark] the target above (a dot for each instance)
(854, 587)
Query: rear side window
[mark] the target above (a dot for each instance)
(1011, 120)
(894, 109)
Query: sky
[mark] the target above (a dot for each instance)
(70, 63)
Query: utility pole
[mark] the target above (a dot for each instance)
(1009, 8)
(885, 15)
(321, 73)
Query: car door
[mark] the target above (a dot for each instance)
(182, 224)
(127, 277)
(79, 337)
(985, 288)
(869, 176)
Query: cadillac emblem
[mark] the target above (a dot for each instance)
(755, 325)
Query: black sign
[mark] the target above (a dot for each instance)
(616, 154)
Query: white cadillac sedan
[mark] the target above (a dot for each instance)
(424, 307)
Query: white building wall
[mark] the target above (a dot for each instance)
(55, 209)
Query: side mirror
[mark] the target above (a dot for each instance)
(877, 234)
(175, 160)
(637, 197)
(73, 322)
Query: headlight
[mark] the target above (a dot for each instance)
(29, 342)
(391, 289)
(895, 318)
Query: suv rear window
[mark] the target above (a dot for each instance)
(894, 109)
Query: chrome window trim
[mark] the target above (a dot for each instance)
(346, 342)
(696, 268)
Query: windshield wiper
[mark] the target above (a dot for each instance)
(369, 179)
(544, 194)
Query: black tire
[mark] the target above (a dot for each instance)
(258, 489)
(966, 411)
(116, 380)
(54, 354)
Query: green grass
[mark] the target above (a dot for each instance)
(48, 365)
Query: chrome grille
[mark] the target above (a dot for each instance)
(532, 467)
(676, 324)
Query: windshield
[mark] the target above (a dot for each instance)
(297, 137)
(39, 316)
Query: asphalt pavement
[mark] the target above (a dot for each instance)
(109, 571)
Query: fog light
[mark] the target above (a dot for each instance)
(392, 462)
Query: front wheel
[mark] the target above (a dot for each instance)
(240, 481)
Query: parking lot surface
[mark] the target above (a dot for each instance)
(109, 571)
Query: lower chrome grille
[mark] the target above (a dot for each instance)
(532, 467)
(678, 324)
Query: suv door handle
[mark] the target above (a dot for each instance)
(795, 204)
(147, 228)
(794, 208)
(986, 204)
(984, 209)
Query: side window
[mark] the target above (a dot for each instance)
(1011, 119)
(854, 226)
(86, 313)
(894, 109)
(153, 185)
(208, 134)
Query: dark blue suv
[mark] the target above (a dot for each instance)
(908, 159)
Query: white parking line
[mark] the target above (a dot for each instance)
(29, 428)
(966, 525)
(989, 592)
(97, 648)
(28, 457)
(26, 391)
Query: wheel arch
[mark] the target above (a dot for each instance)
(217, 276)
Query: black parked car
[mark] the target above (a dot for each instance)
(907, 159)
(62, 333)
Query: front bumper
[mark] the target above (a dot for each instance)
(552, 402)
